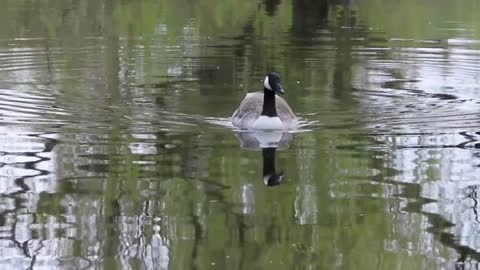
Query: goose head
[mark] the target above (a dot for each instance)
(272, 83)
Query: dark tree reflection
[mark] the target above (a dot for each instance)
(308, 16)
(271, 6)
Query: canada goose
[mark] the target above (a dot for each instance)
(265, 111)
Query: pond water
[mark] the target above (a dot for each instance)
(116, 150)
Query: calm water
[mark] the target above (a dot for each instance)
(116, 150)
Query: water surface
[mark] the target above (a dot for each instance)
(116, 150)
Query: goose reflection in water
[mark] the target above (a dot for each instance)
(268, 142)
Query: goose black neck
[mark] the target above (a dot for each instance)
(268, 160)
(269, 103)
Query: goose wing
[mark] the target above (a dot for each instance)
(284, 111)
(251, 104)
(249, 110)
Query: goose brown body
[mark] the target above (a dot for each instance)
(251, 107)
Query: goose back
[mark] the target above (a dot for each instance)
(251, 108)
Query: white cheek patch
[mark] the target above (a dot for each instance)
(266, 83)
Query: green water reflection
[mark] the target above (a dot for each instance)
(116, 150)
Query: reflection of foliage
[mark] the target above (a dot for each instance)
(420, 19)
(208, 17)
(406, 19)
